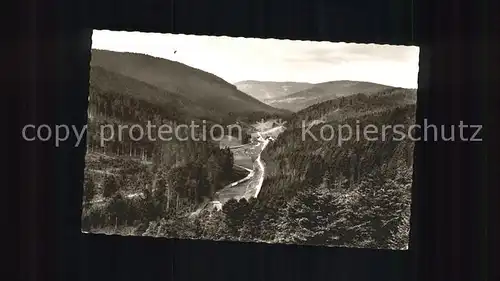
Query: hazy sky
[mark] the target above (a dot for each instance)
(236, 58)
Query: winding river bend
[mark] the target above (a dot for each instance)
(250, 185)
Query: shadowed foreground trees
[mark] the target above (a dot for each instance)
(364, 215)
(89, 189)
(110, 186)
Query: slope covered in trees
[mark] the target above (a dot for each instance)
(314, 193)
(131, 179)
(353, 106)
(356, 194)
(116, 100)
(114, 88)
(200, 87)
(321, 92)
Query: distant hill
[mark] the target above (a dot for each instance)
(200, 87)
(354, 106)
(266, 90)
(325, 91)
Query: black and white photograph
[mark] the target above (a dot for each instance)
(250, 140)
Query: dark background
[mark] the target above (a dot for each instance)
(49, 69)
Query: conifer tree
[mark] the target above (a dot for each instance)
(110, 187)
(89, 189)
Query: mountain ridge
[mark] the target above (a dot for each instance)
(199, 86)
(326, 91)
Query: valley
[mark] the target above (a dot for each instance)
(267, 186)
(266, 91)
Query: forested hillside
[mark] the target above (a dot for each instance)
(148, 177)
(200, 87)
(317, 192)
(352, 106)
(321, 92)
(116, 86)
(357, 194)
(115, 99)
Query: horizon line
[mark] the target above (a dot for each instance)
(248, 80)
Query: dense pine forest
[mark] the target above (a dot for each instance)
(123, 167)
(314, 193)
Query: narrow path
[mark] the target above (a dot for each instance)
(104, 172)
(244, 168)
(128, 196)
